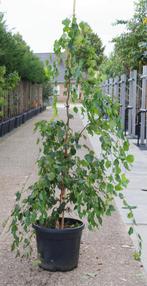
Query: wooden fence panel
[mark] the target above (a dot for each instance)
(24, 97)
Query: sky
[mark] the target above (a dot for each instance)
(40, 21)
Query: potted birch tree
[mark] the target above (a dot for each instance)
(84, 184)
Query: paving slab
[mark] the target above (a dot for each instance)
(105, 255)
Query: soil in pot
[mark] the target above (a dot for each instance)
(58, 249)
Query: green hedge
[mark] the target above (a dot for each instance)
(16, 56)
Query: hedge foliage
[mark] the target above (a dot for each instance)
(16, 56)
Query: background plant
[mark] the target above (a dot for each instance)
(130, 47)
(7, 83)
(16, 56)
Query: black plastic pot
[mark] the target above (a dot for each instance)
(1, 129)
(11, 123)
(18, 120)
(31, 113)
(5, 127)
(24, 117)
(40, 108)
(36, 110)
(58, 250)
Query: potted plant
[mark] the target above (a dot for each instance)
(67, 181)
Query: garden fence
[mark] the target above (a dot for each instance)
(131, 92)
(25, 97)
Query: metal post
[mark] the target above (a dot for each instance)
(122, 99)
(74, 8)
(116, 87)
(130, 106)
(143, 103)
(132, 103)
(111, 87)
(107, 87)
(104, 86)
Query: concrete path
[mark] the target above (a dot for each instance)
(106, 254)
(136, 195)
(136, 192)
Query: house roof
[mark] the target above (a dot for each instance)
(50, 57)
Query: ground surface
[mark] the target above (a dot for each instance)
(106, 254)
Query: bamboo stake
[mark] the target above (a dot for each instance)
(74, 8)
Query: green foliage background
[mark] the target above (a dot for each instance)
(130, 47)
(16, 56)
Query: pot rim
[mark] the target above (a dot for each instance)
(56, 230)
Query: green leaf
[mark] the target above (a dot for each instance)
(108, 164)
(137, 256)
(110, 188)
(130, 215)
(126, 146)
(130, 158)
(118, 187)
(130, 231)
(51, 176)
(121, 196)
(18, 196)
(89, 158)
(75, 109)
(73, 151)
(66, 22)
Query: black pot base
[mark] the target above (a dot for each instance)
(58, 250)
(46, 267)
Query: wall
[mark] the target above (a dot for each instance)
(61, 89)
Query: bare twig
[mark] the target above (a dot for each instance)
(83, 129)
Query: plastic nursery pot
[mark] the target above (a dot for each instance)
(11, 123)
(41, 108)
(32, 113)
(37, 110)
(29, 114)
(58, 249)
(1, 129)
(18, 120)
(5, 127)
(24, 117)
